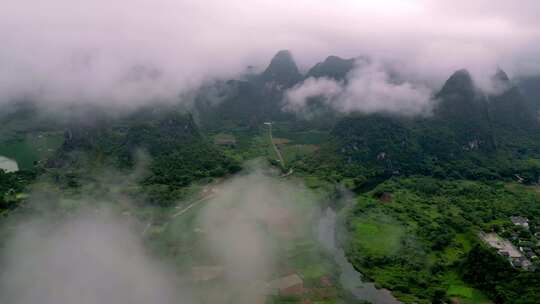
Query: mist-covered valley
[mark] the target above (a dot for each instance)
(99, 246)
(269, 152)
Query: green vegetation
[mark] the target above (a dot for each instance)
(32, 148)
(179, 154)
(490, 272)
(456, 288)
(412, 235)
(425, 185)
(295, 143)
(368, 149)
(377, 234)
(296, 153)
(181, 241)
(12, 189)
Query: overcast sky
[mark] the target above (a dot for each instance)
(84, 49)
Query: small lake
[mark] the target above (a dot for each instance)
(8, 164)
(350, 278)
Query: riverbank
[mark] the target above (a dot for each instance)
(350, 279)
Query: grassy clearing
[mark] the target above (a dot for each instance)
(224, 139)
(456, 288)
(460, 291)
(378, 234)
(461, 244)
(294, 146)
(311, 137)
(243, 144)
(293, 153)
(314, 182)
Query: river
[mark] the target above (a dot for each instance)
(8, 165)
(350, 279)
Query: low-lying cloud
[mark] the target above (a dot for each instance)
(90, 258)
(89, 249)
(130, 52)
(369, 88)
(246, 224)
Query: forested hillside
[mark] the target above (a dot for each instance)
(177, 153)
(425, 187)
(470, 135)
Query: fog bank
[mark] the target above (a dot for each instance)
(132, 52)
(91, 258)
(89, 248)
(368, 89)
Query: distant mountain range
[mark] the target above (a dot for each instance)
(472, 133)
(260, 98)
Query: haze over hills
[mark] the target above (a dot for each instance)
(332, 67)
(272, 152)
(469, 133)
(466, 122)
(466, 130)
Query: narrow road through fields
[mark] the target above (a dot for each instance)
(191, 206)
(207, 194)
(278, 153)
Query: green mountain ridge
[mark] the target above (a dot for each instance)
(424, 186)
(260, 98)
(470, 135)
(332, 67)
(179, 153)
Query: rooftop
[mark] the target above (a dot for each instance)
(520, 221)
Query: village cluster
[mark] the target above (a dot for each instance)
(520, 243)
